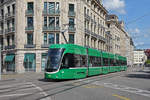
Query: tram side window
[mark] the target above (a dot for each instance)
(122, 63)
(105, 61)
(83, 61)
(115, 62)
(118, 62)
(95, 61)
(99, 61)
(111, 62)
(73, 60)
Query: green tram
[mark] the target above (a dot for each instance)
(69, 61)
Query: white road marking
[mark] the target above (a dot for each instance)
(11, 95)
(125, 88)
(26, 86)
(8, 86)
(42, 92)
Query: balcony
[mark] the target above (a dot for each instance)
(87, 31)
(29, 46)
(93, 34)
(71, 14)
(92, 20)
(51, 28)
(1, 32)
(1, 18)
(29, 29)
(45, 46)
(95, 23)
(10, 47)
(29, 13)
(101, 38)
(71, 29)
(87, 17)
(9, 15)
(100, 26)
(10, 30)
(48, 13)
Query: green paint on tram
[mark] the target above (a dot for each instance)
(69, 61)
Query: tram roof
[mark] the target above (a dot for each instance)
(70, 48)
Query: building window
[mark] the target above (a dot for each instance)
(30, 62)
(57, 21)
(8, 24)
(30, 39)
(45, 38)
(30, 21)
(51, 7)
(13, 40)
(8, 40)
(43, 62)
(57, 7)
(51, 22)
(13, 7)
(45, 6)
(71, 38)
(71, 22)
(45, 21)
(2, 13)
(84, 10)
(8, 9)
(71, 7)
(51, 38)
(30, 6)
(57, 38)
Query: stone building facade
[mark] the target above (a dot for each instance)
(122, 43)
(114, 29)
(28, 27)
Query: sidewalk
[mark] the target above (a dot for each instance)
(26, 75)
(143, 73)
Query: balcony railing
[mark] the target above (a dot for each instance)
(45, 28)
(51, 13)
(29, 12)
(95, 23)
(71, 29)
(9, 15)
(101, 26)
(29, 28)
(101, 38)
(87, 31)
(71, 14)
(1, 32)
(10, 30)
(87, 17)
(10, 47)
(92, 20)
(29, 46)
(45, 46)
(1, 18)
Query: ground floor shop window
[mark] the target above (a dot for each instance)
(30, 62)
(10, 62)
(43, 62)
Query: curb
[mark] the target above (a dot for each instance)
(7, 80)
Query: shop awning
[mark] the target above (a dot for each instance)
(29, 57)
(9, 57)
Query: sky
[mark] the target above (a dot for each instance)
(136, 15)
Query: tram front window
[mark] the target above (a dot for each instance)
(53, 60)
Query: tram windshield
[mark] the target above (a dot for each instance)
(53, 59)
